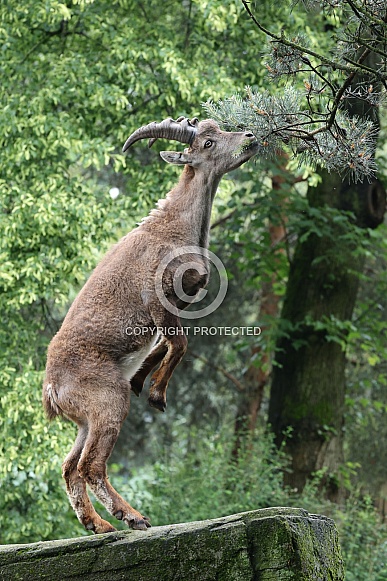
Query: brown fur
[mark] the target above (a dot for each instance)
(92, 360)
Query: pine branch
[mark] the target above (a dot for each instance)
(324, 134)
(338, 96)
(283, 40)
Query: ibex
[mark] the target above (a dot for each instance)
(93, 363)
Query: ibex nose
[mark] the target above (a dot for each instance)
(249, 135)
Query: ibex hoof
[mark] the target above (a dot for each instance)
(100, 527)
(138, 524)
(136, 387)
(159, 404)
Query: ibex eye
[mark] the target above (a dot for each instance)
(208, 143)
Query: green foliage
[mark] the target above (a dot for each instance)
(32, 505)
(197, 478)
(363, 540)
(366, 397)
(363, 535)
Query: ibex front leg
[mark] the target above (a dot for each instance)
(154, 358)
(176, 343)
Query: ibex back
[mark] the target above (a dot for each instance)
(93, 362)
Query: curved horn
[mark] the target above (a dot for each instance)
(183, 130)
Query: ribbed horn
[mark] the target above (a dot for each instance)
(183, 130)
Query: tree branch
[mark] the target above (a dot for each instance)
(302, 49)
(283, 40)
(230, 376)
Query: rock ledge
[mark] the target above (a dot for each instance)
(273, 544)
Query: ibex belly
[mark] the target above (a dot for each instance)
(132, 362)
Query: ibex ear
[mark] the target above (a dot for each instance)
(175, 157)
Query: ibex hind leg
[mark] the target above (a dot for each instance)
(104, 424)
(76, 488)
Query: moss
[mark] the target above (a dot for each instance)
(294, 547)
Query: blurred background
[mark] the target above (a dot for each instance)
(293, 417)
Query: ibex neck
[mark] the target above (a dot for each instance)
(186, 211)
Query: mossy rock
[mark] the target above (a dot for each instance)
(274, 544)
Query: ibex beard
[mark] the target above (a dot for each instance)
(93, 364)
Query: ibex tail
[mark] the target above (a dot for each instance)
(49, 402)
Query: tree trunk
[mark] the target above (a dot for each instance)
(308, 388)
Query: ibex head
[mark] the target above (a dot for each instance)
(211, 149)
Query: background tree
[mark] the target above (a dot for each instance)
(334, 130)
